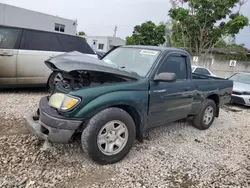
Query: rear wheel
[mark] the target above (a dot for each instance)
(204, 119)
(109, 136)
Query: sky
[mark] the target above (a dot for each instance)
(99, 17)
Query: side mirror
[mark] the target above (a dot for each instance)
(165, 77)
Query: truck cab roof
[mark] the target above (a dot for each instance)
(159, 48)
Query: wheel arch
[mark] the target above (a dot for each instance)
(135, 116)
(132, 111)
(214, 97)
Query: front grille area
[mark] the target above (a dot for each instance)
(237, 100)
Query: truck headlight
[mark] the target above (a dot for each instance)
(69, 102)
(63, 102)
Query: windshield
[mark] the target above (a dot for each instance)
(134, 60)
(242, 78)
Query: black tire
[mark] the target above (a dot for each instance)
(96, 123)
(198, 121)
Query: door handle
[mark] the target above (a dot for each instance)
(6, 54)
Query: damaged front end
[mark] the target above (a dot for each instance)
(74, 71)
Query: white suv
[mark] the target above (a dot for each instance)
(23, 52)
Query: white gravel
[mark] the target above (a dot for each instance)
(175, 155)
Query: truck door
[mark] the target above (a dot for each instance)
(8, 55)
(171, 101)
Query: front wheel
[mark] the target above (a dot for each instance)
(204, 119)
(109, 136)
(53, 79)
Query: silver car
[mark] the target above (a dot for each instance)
(23, 52)
(241, 88)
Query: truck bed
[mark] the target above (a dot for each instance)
(208, 85)
(201, 76)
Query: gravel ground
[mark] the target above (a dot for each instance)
(175, 155)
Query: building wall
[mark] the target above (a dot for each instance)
(19, 17)
(99, 40)
(222, 68)
(109, 42)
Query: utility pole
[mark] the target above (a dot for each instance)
(115, 30)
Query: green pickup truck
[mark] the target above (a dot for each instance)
(115, 100)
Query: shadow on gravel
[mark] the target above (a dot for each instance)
(234, 107)
(175, 127)
(238, 106)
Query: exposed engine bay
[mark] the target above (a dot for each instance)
(74, 70)
(65, 82)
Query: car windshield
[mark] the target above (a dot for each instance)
(242, 78)
(134, 60)
(193, 69)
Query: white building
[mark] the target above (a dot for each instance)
(19, 17)
(104, 43)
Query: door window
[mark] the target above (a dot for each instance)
(39, 40)
(8, 37)
(175, 64)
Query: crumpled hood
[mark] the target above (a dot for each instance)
(241, 87)
(73, 61)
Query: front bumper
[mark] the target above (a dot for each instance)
(241, 99)
(49, 125)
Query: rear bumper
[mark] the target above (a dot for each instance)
(52, 127)
(241, 99)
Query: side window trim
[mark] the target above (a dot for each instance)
(22, 40)
(18, 41)
(61, 45)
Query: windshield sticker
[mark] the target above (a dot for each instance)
(149, 52)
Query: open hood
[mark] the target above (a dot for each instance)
(76, 61)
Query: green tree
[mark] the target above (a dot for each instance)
(81, 33)
(130, 40)
(147, 33)
(205, 23)
(221, 44)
